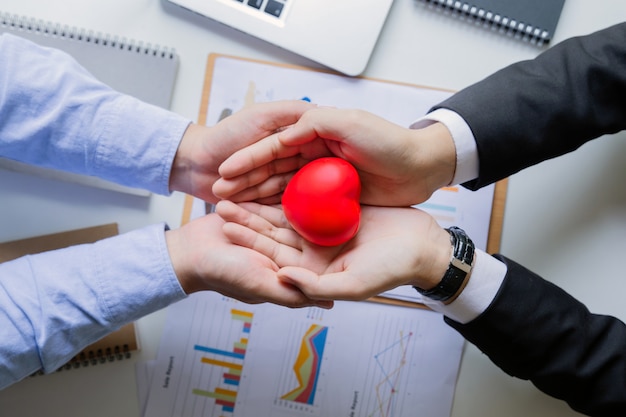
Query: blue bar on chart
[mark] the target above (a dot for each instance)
(243, 316)
(231, 360)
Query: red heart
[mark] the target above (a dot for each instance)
(321, 201)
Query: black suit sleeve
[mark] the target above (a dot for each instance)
(524, 114)
(534, 330)
(538, 109)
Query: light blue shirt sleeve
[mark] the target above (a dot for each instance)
(53, 113)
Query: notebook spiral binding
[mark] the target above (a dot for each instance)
(93, 358)
(17, 23)
(495, 21)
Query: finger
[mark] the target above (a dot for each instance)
(277, 114)
(320, 122)
(270, 200)
(262, 222)
(262, 184)
(272, 223)
(281, 254)
(254, 156)
(272, 187)
(272, 214)
(264, 287)
(242, 213)
(325, 304)
(290, 296)
(332, 286)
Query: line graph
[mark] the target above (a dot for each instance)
(387, 391)
(391, 362)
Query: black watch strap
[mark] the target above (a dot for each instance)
(460, 265)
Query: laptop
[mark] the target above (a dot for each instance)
(339, 34)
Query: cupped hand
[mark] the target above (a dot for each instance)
(397, 166)
(394, 246)
(205, 259)
(202, 149)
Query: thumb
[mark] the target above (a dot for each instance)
(333, 286)
(322, 122)
(302, 278)
(306, 281)
(297, 134)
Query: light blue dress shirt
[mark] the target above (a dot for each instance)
(53, 113)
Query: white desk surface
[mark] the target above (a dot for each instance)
(564, 219)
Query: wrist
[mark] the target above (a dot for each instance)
(458, 271)
(437, 154)
(181, 166)
(434, 259)
(184, 165)
(176, 250)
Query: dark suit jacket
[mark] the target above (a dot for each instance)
(520, 116)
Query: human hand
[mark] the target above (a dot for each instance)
(397, 166)
(204, 259)
(394, 246)
(202, 149)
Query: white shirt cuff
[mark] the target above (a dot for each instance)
(485, 280)
(487, 273)
(466, 151)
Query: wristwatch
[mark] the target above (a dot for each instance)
(460, 265)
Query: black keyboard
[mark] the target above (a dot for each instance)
(271, 7)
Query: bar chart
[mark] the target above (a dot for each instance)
(229, 362)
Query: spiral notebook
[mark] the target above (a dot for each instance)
(117, 345)
(145, 71)
(531, 20)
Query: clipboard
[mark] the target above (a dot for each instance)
(249, 92)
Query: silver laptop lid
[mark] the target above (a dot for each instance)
(340, 34)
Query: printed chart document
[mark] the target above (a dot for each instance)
(221, 357)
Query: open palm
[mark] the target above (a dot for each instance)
(394, 246)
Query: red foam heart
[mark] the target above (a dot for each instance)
(321, 201)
